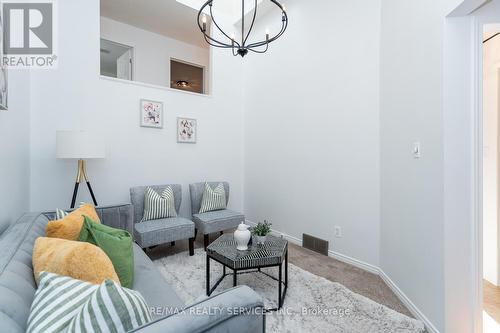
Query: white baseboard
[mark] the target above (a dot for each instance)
(369, 268)
(408, 303)
(354, 262)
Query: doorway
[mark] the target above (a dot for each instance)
(491, 177)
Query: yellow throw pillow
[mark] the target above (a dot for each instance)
(69, 227)
(79, 260)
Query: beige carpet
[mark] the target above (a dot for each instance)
(312, 304)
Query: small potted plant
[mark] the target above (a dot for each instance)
(260, 232)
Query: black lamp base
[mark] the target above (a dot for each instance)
(75, 192)
(81, 176)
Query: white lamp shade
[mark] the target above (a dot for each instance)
(79, 145)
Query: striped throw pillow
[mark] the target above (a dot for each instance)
(159, 206)
(57, 300)
(213, 199)
(60, 214)
(111, 308)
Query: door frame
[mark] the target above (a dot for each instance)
(463, 153)
(478, 23)
(478, 174)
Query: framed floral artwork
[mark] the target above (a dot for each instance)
(151, 114)
(186, 130)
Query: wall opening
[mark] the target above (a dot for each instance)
(155, 33)
(187, 77)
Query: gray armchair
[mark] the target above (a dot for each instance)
(215, 221)
(156, 232)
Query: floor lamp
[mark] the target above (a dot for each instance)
(81, 146)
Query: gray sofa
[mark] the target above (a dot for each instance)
(235, 310)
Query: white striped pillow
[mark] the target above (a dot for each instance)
(111, 308)
(159, 206)
(57, 300)
(60, 214)
(213, 199)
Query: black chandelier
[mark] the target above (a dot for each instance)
(240, 48)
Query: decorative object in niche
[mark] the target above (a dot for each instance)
(182, 84)
(151, 114)
(186, 130)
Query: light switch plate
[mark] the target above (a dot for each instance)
(417, 153)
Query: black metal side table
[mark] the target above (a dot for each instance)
(270, 254)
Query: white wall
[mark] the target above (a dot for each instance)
(152, 52)
(491, 72)
(74, 97)
(14, 149)
(312, 126)
(412, 190)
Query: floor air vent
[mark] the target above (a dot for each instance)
(315, 244)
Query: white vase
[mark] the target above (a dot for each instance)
(242, 237)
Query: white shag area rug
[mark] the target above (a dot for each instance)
(312, 303)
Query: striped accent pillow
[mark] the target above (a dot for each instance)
(213, 199)
(60, 214)
(57, 300)
(159, 206)
(111, 308)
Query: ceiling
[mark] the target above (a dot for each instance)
(166, 17)
(230, 9)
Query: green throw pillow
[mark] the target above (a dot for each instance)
(116, 243)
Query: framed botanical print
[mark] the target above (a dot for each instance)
(151, 114)
(187, 130)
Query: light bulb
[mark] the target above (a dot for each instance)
(204, 22)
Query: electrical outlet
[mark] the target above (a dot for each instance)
(338, 231)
